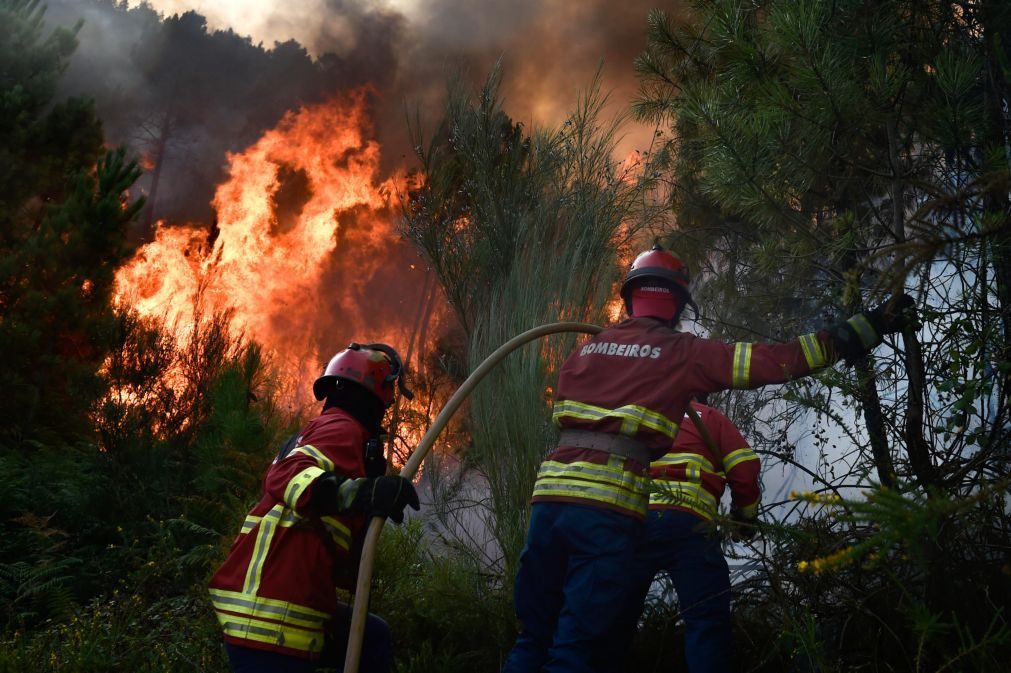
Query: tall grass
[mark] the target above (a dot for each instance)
(522, 229)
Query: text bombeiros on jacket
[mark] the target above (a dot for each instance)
(622, 350)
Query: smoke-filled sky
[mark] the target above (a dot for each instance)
(189, 86)
(207, 77)
(551, 47)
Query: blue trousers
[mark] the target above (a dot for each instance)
(686, 547)
(376, 657)
(572, 581)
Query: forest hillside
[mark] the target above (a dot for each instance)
(160, 329)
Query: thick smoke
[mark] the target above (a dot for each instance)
(181, 95)
(182, 91)
(550, 48)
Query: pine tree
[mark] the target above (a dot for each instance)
(842, 148)
(825, 155)
(63, 219)
(522, 229)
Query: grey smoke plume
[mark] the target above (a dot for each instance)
(550, 48)
(182, 94)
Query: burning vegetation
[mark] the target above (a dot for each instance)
(303, 253)
(141, 382)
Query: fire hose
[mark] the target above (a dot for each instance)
(359, 611)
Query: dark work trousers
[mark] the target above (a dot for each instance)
(687, 548)
(377, 650)
(572, 581)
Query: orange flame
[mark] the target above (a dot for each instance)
(615, 310)
(304, 253)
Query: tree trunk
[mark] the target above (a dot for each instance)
(916, 444)
(871, 403)
(165, 131)
(867, 390)
(995, 198)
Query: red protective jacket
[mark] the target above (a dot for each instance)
(276, 590)
(692, 478)
(636, 379)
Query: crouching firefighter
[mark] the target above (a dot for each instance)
(275, 595)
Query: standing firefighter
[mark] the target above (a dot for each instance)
(275, 594)
(619, 403)
(680, 535)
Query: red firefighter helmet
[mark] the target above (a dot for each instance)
(652, 282)
(375, 367)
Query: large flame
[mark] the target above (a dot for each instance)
(304, 253)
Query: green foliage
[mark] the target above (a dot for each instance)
(148, 520)
(824, 155)
(447, 613)
(55, 290)
(28, 591)
(41, 144)
(888, 580)
(122, 632)
(521, 229)
(811, 124)
(63, 218)
(818, 154)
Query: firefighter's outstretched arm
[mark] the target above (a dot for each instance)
(854, 338)
(744, 366)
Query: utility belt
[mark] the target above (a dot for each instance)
(619, 445)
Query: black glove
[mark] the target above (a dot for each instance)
(855, 337)
(893, 315)
(742, 528)
(385, 496)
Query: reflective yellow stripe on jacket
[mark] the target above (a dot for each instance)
(321, 460)
(266, 620)
(741, 375)
(248, 616)
(684, 494)
(302, 480)
(269, 523)
(688, 493)
(693, 462)
(632, 417)
(862, 326)
(609, 484)
(340, 533)
(735, 458)
(814, 352)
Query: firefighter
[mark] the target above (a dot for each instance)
(275, 595)
(619, 403)
(680, 535)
